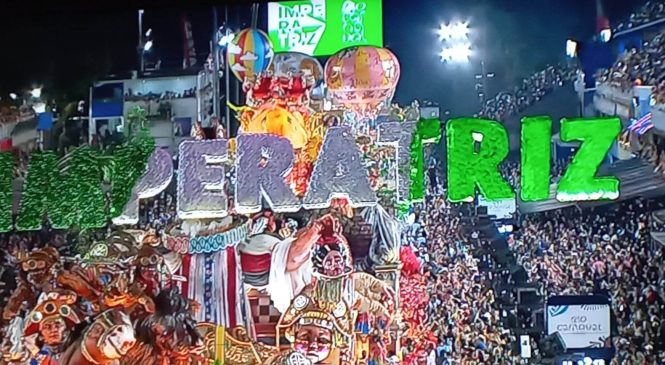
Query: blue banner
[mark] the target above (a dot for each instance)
(44, 121)
(595, 56)
(107, 100)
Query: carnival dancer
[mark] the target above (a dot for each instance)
(150, 270)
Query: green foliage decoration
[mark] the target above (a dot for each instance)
(6, 190)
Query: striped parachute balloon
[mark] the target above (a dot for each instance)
(249, 54)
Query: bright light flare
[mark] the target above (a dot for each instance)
(571, 48)
(13, 96)
(456, 54)
(39, 108)
(606, 35)
(36, 92)
(147, 46)
(454, 31)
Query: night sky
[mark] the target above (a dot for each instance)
(65, 47)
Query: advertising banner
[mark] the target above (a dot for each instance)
(107, 100)
(323, 27)
(580, 326)
(501, 209)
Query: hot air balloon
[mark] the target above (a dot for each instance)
(249, 54)
(362, 79)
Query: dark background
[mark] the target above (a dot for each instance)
(66, 46)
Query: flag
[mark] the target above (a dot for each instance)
(189, 53)
(641, 125)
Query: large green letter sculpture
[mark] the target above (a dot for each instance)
(476, 147)
(579, 182)
(536, 155)
(71, 197)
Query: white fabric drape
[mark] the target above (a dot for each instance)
(283, 286)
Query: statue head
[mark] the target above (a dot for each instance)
(315, 331)
(36, 265)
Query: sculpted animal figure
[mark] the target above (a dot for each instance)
(104, 342)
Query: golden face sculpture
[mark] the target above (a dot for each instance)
(314, 341)
(316, 332)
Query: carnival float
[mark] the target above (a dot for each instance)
(286, 252)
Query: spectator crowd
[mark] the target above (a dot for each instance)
(639, 67)
(603, 251)
(573, 251)
(460, 311)
(647, 13)
(531, 90)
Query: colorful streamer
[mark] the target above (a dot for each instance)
(71, 198)
(80, 190)
(38, 196)
(220, 241)
(129, 163)
(70, 191)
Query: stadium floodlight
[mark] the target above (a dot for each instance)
(454, 31)
(456, 54)
(13, 96)
(571, 48)
(147, 46)
(606, 35)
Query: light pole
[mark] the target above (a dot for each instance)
(145, 42)
(224, 36)
(216, 65)
(481, 86)
(140, 46)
